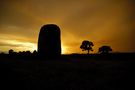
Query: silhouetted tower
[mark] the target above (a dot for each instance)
(49, 41)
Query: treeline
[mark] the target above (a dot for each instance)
(19, 55)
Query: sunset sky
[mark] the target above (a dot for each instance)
(104, 22)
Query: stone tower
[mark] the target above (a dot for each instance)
(49, 41)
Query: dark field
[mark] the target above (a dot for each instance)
(69, 73)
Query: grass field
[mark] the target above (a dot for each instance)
(72, 73)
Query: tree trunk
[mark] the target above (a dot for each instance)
(88, 51)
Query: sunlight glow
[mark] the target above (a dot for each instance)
(25, 46)
(20, 46)
(64, 49)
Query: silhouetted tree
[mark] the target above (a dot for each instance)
(11, 51)
(87, 45)
(34, 52)
(28, 53)
(105, 49)
(2, 53)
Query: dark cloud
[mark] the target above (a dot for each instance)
(111, 21)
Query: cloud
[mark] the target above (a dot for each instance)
(111, 21)
(9, 45)
(17, 45)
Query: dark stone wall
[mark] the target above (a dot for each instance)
(49, 41)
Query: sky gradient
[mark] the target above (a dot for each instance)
(104, 22)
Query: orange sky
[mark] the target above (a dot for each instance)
(104, 22)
